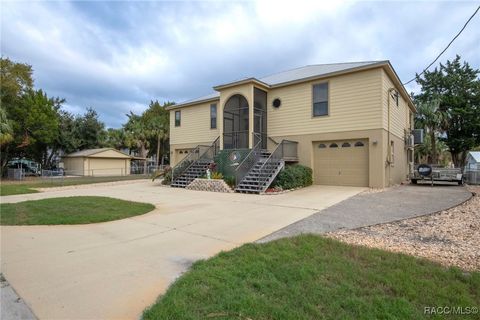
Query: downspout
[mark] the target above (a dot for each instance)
(389, 146)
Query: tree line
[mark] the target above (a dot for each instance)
(36, 126)
(448, 109)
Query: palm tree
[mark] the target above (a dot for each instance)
(430, 118)
(136, 136)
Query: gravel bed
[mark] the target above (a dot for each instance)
(450, 237)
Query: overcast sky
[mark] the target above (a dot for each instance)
(117, 56)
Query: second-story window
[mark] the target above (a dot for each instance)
(320, 99)
(178, 118)
(395, 97)
(213, 116)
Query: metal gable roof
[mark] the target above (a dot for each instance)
(297, 74)
(475, 155)
(311, 71)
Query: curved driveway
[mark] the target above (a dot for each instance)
(114, 270)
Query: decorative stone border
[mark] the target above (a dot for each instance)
(274, 193)
(213, 185)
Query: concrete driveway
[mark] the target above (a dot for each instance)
(114, 270)
(365, 209)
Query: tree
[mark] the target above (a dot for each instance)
(15, 79)
(89, 130)
(457, 87)
(35, 119)
(115, 138)
(136, 137)
(6, 130)
(157, 125)
(430, 118)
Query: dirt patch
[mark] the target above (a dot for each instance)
(450, 237)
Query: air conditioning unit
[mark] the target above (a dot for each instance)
(417, 136)
(409, 141)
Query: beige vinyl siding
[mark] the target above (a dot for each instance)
(74, 166)
(108, 167)
(245, 90)
(400, 116)
(194, 125)
(354, 104)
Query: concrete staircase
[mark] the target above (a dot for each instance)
(261, 175)
(196, 170)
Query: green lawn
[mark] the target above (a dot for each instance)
(70, 210)
(7, 189)
(310, 277)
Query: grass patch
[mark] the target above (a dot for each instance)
(12, 188)
(70, 210)
(311, 277)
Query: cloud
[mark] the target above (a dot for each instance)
(117, 56)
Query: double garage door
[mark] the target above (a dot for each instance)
(341, 163)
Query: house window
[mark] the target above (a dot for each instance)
(320, 99)
(359, 144)
(322, 146)
(345, 145)
(395, 97)
(177, 118)
(334, 145)
(213, 116)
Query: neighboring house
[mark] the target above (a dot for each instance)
(473, 160)
(97, 162)
(350, 122)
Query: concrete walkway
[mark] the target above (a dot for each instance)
(114, 270)
(367, 209)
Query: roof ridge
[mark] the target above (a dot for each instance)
(321, 64)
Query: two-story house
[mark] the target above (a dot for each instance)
(350, 122)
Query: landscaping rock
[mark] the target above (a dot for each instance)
(450, 237)
(213, 185)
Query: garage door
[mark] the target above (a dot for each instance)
(181, 153)
(341, 163)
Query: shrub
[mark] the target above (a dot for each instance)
(294, 176)
(216, 175)
(230, 180)
(167, 176)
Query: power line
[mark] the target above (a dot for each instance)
(464, 26)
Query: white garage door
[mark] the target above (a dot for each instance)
(341, 163)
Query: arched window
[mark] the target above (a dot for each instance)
(322, 146)
(346, 145)
(235, 123)
(359, 144)
(181, 152)
(334, 145)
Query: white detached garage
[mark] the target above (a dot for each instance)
(97, 162)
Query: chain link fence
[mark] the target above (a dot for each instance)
(471, 176)
(16, 174)
(60, 177)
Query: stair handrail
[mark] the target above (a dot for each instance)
(249, 161)
(192, 157)
(212, 150)
(276, 155)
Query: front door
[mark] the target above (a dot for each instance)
(260, 117)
